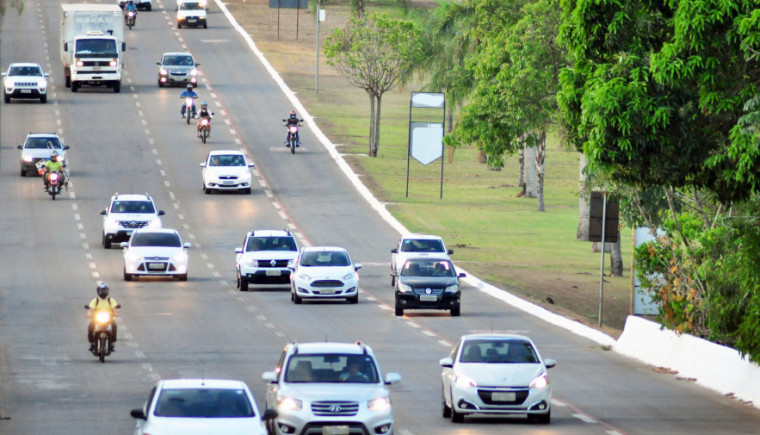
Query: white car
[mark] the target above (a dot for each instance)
(416, 246)
(329, 388)
(324, 272)
(191, 13)
(155, 252)
(25, 80)
(262, 260)
(126, 213)
(226, 170)
(200, 407)
(39, 146)
(496, 374)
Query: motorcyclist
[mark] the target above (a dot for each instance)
(187, 93)
(204, 113)
(53, 165)
(101, 303)
(130, 7)
(292, 120)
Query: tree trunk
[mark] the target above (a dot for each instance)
(531, 177)
(482, 156)
(521, 169)
(371, 123)
(540, 167)
(449, 127)
(377, 127)
(583, 204)
(616, 259)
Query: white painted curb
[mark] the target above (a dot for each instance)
(720, 369)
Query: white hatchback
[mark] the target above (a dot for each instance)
(155, 252)
(496, 374)
(324, 272)
(226, 170)
(200, 406)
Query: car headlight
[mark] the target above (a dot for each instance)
(7, 83)
(179, 257)
(463, 381)
(539, 382)
(132, 257)
(42, 84)
(27, 158)
(112, 63)
(304, 276)
(163, 72)
(404, 288)
(194, 72)
(80, 63)
(379, 404)
(155, 223)
(289, 404)
(452, 288)
(348, 276)
(252, 262)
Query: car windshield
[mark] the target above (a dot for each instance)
(421, 245)
(204, 403)
(42, 143)
(187, 6)
(331, 367)
(178, 60)
(33, 71)
(132, 207)
(433, 268)
(271, 244)
(495, 351)
(170, 240)
(325, 258)
(226, 160)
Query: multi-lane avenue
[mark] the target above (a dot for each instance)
(51, 259)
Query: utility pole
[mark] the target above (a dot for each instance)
(316, 78)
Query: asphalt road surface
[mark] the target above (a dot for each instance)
(135, 142)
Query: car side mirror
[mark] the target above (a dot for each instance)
(357, 266)
(66, 147)
(197, 64)
(392, 378)
(270, 414)
(269, 377)
(549, 363)
(462, 275)
(203, 164)
(238, 250)
(3, 74)
(450, 251)
(21, 147)
(158, 63)
(394, 251)
(161, 212)
(138, 413)
(124, 244)
(250, 164)
(123, 46)
(446, 362)
(65, 46)
(103, 212)
(46, 74)
(187, 245)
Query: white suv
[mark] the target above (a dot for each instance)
(329, 388)
(263, 259)
(25, 80)
(126, 213)
(416, 246)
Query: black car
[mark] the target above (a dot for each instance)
(428, 283)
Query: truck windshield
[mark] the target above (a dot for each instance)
(96, 48)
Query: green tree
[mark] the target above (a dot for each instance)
(372, 53)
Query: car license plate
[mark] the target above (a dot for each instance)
(428, 298)
(228, 182)
(335, 430)
(26, 91)
(328, 291)
(274, 272)
(191, 20)
(503, 397)
(156, 266)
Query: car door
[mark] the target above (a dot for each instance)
(447, 374)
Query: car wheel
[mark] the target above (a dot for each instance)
(43, 99)
(393, 280)
(445, 409)
(182, 277)
(243, 284)
(117, 87)
(106, 242)
(160, 84)
(6, 97)
(150, 8)
(353, 299)
(68, 81)
(205, 26)
(399, 310)
(127, 276)
(23, 172)
(247, 191)
(541, 418)
(206, 190)
(74, 86)
(456, 417)
(297, 299)
(455, 311)
(179, 26)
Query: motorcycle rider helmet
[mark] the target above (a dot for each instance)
(292, 114)
(203, 104)
(53, 155)
(102, 290)
(190, 87)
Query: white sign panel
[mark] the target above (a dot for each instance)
(642, 296)
(428, 100)
(426, 141)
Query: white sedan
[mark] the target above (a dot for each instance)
(154, 252)
(496, 374)
(200, 406)
(226, 170)
(324, 272)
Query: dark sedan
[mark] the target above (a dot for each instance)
(426, 283)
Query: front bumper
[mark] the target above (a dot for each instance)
(478, 400)
(191, 22)
(230, 184)
(444, 301)
(30, 166)
(317, 290)
(305, 423)
(95, 78)
(26, 93)
(171, 79)
(157, 267)
(272, 277)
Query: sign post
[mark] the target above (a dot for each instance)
(426, 138)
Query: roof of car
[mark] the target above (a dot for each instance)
(131, 197)
(225, 152)
(349, 348)
(25, 64)
(493, 335)
(177, 53)
(42, 135)
(271, 233)
(156, 230)
(422, 236)
(202, 383)
(323, 248)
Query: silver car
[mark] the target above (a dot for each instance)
(177, 69)
(329, 388)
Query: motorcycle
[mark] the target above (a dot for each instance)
(189, 108)
(130, 19)
(102, 333)
(204, 128)
(294, 140)
(54, 179)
